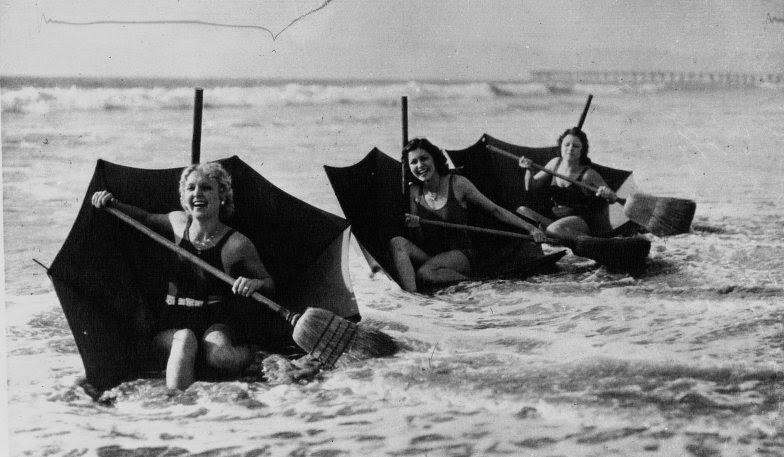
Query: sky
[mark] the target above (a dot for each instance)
(386, 39)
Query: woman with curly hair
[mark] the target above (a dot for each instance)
(574, 211)
(195, 328)
(441, 256)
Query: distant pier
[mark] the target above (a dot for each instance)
(673, 78)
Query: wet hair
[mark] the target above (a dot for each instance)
(584, 160)
(212, 170)
(439, 158)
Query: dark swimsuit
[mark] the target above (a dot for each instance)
(571, 200)
(195, 298)
(435, 240)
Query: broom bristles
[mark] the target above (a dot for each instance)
(661, 216)
(627, 254)
(672, 216)
(327, 336)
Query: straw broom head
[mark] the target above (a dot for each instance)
(661, 216)
(326, 336)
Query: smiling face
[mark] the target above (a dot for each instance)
(200, 196)
(571, 148)
(421, 164)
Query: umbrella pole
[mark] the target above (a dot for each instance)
(404, 123)
(585, 112)
(197, 109)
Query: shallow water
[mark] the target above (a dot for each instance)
(684, 359)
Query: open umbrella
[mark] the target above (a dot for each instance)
(110, 278)
(369, 194)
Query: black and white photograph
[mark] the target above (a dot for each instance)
(392, 228)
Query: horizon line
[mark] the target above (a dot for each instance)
(531, 75)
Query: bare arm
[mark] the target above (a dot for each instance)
(466, 191)
(244, 263)
(161, 223)
(536, 180)
(594, 179)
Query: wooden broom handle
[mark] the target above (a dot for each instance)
(220, 274)
(539, 167)
(472, 228)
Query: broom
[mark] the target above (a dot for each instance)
(627, 254)
(323, 334)
(661, 216)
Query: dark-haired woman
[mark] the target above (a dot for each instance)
(575, 211)
(441, 256)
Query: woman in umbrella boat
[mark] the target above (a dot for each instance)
(197, 327)
(575, 212)
(441, 256)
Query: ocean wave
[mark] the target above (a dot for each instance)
(32, 99)
(47, 96)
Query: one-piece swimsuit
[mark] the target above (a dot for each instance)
(439, 239)
(195, 298)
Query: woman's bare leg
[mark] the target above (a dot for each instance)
(568, 229)
(407, 257)
(447, 267)
(222, 354)
(181, 346)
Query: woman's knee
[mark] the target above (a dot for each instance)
(424, 274)
(219, 351)
(568, 227)
(184, 343)
(399, 244)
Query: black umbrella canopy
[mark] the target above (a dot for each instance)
(369, 192)
(501, 179)
(110, 278)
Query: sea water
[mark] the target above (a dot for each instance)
(684, 359)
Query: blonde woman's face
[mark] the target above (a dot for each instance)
(201, 196)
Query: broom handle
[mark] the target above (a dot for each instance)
(220, 274)
(473, 228)
(508, 154)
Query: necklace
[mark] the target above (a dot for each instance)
(209, 240)
(433, 196)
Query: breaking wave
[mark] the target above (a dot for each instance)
(42, 99)
(41, 95)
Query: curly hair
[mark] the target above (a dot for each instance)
(584, 160)
(439, 158)
(212, 170)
